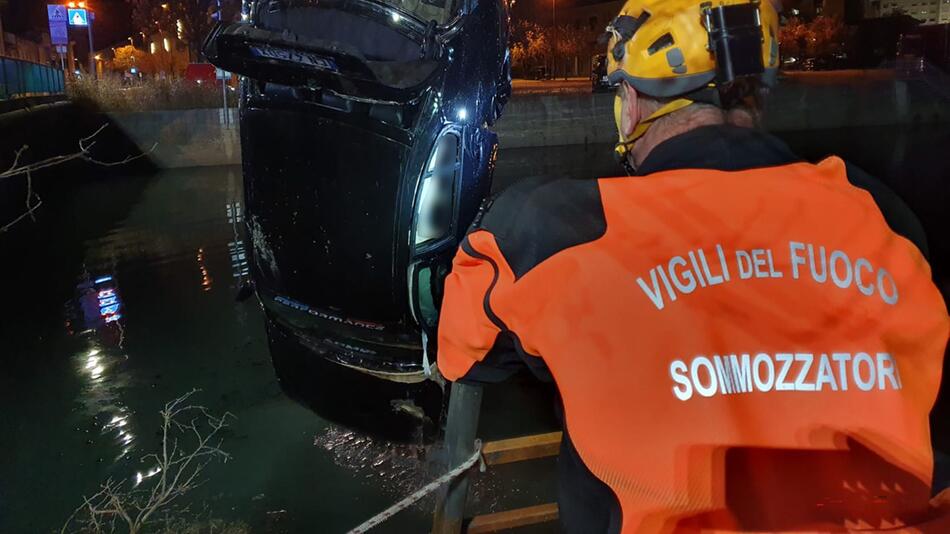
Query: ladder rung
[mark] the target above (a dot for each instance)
(519, 517)
(506, 451)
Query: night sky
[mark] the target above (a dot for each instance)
(28, 18)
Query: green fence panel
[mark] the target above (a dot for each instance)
(24, 78)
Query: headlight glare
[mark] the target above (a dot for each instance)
(435, 200)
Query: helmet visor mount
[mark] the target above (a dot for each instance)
(735, 40)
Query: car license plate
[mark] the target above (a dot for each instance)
(294, 56)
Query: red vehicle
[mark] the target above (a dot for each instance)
(200, 73)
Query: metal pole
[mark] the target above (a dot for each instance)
(465, 403)
(224, 86)
(92, 52)
(554, 55)
(224, 101)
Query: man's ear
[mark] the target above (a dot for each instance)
(630, 111)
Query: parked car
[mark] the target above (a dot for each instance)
(539, 73)
(598, 74)
(367, 150)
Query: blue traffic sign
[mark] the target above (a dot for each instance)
(58, 20)
(78, 17)
(56, 12)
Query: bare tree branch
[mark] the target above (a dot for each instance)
(178, 470)
(84, 154)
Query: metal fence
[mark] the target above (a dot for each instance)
(25, 78)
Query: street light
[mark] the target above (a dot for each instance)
(554, 24)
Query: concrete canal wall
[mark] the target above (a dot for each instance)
(802, 102)
(184, 138)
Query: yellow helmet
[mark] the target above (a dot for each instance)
(692, 49)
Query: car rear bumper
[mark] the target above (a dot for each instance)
(387, 351)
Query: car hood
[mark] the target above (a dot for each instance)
(357, 48)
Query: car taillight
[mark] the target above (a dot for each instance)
(435, 200)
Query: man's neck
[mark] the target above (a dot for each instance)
(674, 124)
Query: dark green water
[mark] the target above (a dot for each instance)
(80, 400)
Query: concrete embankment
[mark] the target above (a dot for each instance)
(38, 130)
(802, 102)
(184, 138)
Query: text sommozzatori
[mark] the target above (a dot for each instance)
(684, 274)
(783, 371)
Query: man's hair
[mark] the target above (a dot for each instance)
(745, 113)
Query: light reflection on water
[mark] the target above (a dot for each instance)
(398, 468)
(101, 396)
(98, 316)
(173, 247)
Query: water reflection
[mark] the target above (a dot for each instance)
(97, 309)
(203, 269)
(236, 250)
(381, 431)
(102, 380)
(402, 413)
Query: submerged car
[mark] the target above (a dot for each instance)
(367, 150)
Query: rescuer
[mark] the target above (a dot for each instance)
(742, 340)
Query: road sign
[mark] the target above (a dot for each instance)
(56, 12)
(78, 17)
(58, 30)
(222, 74)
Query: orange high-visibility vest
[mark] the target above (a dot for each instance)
(751, 351)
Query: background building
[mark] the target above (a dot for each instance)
(35, 48)
(926, 11)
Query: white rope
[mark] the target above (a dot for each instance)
(425, 354)
(420, 493)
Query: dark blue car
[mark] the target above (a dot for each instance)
(367, 149)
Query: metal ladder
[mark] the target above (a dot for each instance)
(462, 424)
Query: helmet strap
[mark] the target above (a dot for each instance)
(623, 147)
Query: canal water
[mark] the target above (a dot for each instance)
(312, 448)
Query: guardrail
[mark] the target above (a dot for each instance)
(25, 78)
